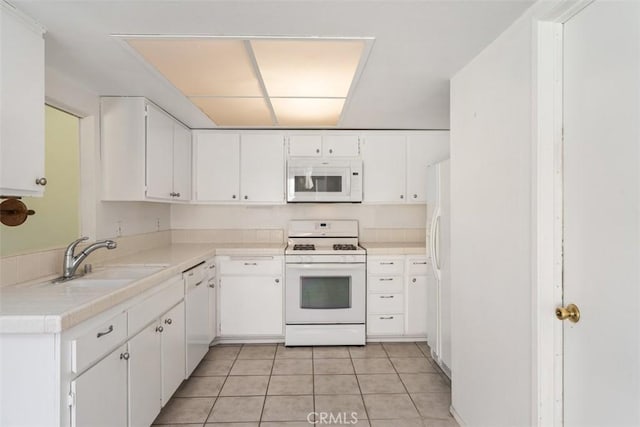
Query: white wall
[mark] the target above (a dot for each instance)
(241, 217)
(99, 219)
(491, 227)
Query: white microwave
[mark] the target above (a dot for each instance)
(320, 181)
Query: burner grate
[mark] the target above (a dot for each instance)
(344, 247)
(305, 247)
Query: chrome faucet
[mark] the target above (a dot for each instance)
(72, 262)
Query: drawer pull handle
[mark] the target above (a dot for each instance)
(386, 279)
(387, 263)
(386, 296)
(414, 280)
(277, 280)
(199, 283)
(125, 355)
(250, 263)
(212, 284)
(191, 274)
(386, 317)
(212, 266)
(101, 334)
(159, 328)
(420, 263)
(168, 321)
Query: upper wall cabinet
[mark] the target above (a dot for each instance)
(232, 167)
(324, 145)
(146, 153)
(22, 100)
(395, 164)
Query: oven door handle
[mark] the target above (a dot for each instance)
(320, 266)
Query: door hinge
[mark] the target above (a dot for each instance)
(71, 400)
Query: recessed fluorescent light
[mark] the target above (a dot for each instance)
(307, 111)
(307, 68)
(202, 66)
(235, 111)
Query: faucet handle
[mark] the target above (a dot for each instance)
(72, 246)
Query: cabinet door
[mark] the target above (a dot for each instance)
(416, 309)
(173, 351)
(159, 154)
(340, 146)
(217, 163)
(101, 393)
(384, 168)
(213, 289)
(423, 150)
(262, 168)
(145, 382)
(22, 112)
(251, 305)
(305, 146)
(197, 330)
(181, 162)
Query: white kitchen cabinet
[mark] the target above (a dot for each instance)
(100, 394)
(173, 351)
(22, 98)
(262, 168)
(145, 152)
(251, 296)
(384, 160)
(144, 376)
(233, 167)
(423, 149)
(212, 297)
(417, 302)
(324, 145)
(196, 304)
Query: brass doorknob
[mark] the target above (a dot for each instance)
(571, 312)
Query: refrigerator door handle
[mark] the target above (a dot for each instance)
(432, 243)
(436, 243)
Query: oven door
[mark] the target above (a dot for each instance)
(319, 184)
(325, 293)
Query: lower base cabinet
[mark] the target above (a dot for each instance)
(172, 351)
(100, 394)
(144, 377)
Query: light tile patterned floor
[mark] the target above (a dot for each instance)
(251, 385)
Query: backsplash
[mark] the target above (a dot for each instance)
(405, 235)
(22, 268)
(228, 236)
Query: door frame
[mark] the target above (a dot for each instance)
(547, 212)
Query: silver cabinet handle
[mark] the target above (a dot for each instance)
(330, 151)
(277, 280)
(177, 194)
(250, 263)
(387, 263)
(386, 296)
(415, 196)
(125, 355)
(212, 266)
(413, 280)
(212, 285)
(107, 332)
(246, 197)
(386, 317)
(159, 329)
(385, 279)
(199, 283)
(168, 321)
(233, 197)
(402, 196)
(420, 263)
(41, 181)
(317, 150)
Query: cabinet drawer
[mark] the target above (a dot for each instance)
(385, 324)
(153, 307)
(384, 284)
(260, 266)
(98, 341)
(418, 266)
(194, 276)
(386, 303)
(386, 266)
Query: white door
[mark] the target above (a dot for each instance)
(417, 300)
(262, 168)
(217, 163)
(251, 305)
(384, 170)
(159, 154)
(101, 393)
(601, 218)
(340, 146)
(181, 162)
(144, 377)
(173, 351)
(422, 150)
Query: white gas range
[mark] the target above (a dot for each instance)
(325, 284)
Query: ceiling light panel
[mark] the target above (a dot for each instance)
(235, 111)
(307, 111)
(202, 66)
(307, 68)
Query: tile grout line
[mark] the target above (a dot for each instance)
(222, 386)
(266, 392)
(364, 405)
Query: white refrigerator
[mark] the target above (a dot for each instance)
(439, 285)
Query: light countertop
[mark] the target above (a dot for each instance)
(395, 248)
(40, 307)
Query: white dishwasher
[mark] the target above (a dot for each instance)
(197, 314)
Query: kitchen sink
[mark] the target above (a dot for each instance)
(124, 272)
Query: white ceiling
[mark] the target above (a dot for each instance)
(418, 46)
